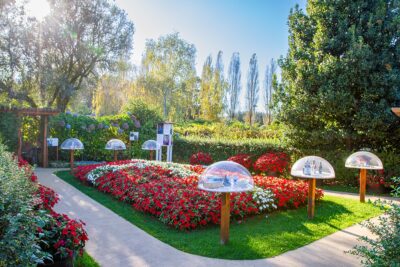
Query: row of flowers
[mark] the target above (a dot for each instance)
(169, 192)
(270, 163)
(58, 235)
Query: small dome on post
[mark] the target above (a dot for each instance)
(313, 167)
(72, 144)
(364, 160)
(151, 145)
(226, 176)
(115, 144)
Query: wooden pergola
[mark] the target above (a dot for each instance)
(43, 113)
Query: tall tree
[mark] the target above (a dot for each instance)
(252, 89)
(268, 89)
(234, 85)
(206, 89)
(46, 63)
(168, 70)
(341, 75)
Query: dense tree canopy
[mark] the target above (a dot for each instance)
(341, 75)
(45, 63)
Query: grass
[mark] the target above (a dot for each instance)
(350, 189)
(257, 237)
(85, 261)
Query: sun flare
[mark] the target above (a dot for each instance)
(37, 8)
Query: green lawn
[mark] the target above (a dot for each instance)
(255, 238)
(85, 261)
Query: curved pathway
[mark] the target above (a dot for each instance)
(116, 242)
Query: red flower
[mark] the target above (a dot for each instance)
(201, 158)
(243, 159)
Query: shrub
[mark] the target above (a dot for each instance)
(276, 162)
(384, 249)
(200, 158)
(243, 159)
(18, 219)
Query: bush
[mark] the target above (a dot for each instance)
(9, 123)
(276, 162)
(94, 132)
(243, 159)
(200, 158)
(18, 242)
(384, 249)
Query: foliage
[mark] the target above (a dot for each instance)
(340, 76)
(85, 261)
(252, 89)
(270, 72)
(46, 63)
(384, 249)
(61, 236)
(200, 158)
(234, 86)
(168, 73)
(172, 195)
(94, 132)
(277, 162)
(212, 89)
(9, 123)
(18, 242)
(246, 160)
(221, 149)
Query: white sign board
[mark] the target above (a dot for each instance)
(52, 141)
(134, 136)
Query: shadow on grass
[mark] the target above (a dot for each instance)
(256, 237)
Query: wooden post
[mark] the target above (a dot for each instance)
(311, 197)
(225, 217)
(45, 148)
(115, 155)
(363, 184)
(56, 153)
(151, 154)
(71, 160)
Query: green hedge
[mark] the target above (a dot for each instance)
(94, 132)
(18, 222)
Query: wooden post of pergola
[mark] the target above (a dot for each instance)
(42, 112)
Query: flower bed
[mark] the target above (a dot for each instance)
(169, 192)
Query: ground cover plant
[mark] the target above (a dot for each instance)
(169, 192)
(258, 237)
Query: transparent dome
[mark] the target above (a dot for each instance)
(313, 167)
(115, 144)
(364, 160)
(72, 143)
(226, 176)
(151, 145)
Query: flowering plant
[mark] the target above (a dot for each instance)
(200, 158)
(48, 198)
(272, 162)
(243, 159)
(265, 199)
(61, 236)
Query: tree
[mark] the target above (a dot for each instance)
(46, 63)
(168, 71)
(252, 89)
(341, 75)
(268, 89)
(234, 85)
(206, 85)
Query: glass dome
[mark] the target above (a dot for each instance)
(151, 145)
(364, 160)
(313, 167)
(72, 143)
(115, 144)
(226, 176)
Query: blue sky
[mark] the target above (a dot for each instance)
(244, 26)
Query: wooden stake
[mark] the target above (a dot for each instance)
(71, 162)
(151, 154)
(115, 155)
(225, 217)
(363, 184)
(311, 197)
(45, 148)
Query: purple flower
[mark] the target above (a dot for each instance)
(137, 124)
(92, 127)
(68, 126)
(75, 115)
(68, 112)
(100, 126)
(106, 127)
(62, 123)
(120, 131)
(125, 126)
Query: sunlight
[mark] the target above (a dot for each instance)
(38, 9)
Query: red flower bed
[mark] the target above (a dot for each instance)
(201, 158)
(289, 193)
(243, 159)
(179, 203)
(272, 162)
